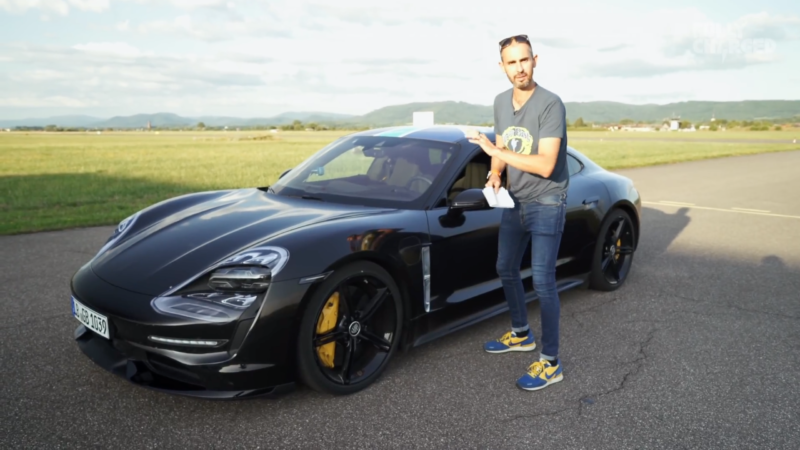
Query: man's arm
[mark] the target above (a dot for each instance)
(498, 165)
(541, 164)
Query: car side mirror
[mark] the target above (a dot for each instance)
(469, 200)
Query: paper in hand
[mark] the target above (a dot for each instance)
(502, 199)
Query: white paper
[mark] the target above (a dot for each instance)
(500, 200)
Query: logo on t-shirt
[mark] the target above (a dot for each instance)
(518, 139)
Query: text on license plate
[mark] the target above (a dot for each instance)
(92, 320)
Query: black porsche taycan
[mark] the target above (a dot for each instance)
(379, 242)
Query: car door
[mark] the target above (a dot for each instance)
(463, 252)
(584, 199)
(583, 196)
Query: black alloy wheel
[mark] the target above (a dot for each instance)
(350, 329)
(613, 254)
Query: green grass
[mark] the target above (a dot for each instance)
(51, 181)
(64, 180)
(626, 154)
(783, 135)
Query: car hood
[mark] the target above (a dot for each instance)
(185, 243)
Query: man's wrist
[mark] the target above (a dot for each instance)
(493, 172)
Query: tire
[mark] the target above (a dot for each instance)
(613, 275)
(376, 339)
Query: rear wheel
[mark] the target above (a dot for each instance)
(350, 329)
(613, 254)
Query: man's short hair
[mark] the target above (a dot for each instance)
(519, 39)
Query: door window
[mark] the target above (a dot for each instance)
(574, 165)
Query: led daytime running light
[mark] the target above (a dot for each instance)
(194, 342)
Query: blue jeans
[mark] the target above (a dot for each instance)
(542, 224)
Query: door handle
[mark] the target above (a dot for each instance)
(590, 202)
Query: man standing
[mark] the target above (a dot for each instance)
(531, 145)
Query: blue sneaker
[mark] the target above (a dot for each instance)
(511, 343)
(540, 375)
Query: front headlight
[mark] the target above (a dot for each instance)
(223, 292)
(240, 279)
(275, 258)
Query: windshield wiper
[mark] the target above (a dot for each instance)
(311, 197)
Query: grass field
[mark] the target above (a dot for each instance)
(51, 181)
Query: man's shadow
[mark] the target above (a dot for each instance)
(659, 229)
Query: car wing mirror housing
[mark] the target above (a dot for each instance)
(469, 200)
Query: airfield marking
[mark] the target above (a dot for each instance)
(752, 210)
(739, 211)
(677, 203)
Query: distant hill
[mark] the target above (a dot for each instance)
(448, 112)
(140, 120)
(62, 121)
(692, 111)
(443, 112)
(173, 120)
(471, 114)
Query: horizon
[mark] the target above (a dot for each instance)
(359, 115)
(243, 58)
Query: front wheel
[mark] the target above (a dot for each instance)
(350, 329)
(613, 254)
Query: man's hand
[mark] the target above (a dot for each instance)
(485, 144)
(494, 182)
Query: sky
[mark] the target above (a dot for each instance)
(261, 58)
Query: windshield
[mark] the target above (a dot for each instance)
(371, 170)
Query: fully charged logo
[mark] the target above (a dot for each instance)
(730, 41)
(518, 140)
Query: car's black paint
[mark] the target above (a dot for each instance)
(178, 239)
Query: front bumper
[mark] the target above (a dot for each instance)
(258, 362)
(163, 373)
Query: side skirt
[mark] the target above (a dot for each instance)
(435, 325)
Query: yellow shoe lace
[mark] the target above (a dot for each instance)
(536, 369)
(505, 339)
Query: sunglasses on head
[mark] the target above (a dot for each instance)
(519, 38)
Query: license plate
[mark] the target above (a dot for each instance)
(93, 321)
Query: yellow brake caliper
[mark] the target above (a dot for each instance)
(326, 323)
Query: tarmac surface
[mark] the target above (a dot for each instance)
(700, 348)
(632, 138)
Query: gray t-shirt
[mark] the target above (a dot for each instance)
(542, 116)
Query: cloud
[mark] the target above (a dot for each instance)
(613, 48)
(692, 45)
(637, 68)
(60, 7)
(555, 42)
(90, 5)
(755, 33)
(28, 101)
(246, 57)
(122, 49)
(208, 31)
(191, 4)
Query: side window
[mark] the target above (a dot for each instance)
(473, 176)
(575, 166)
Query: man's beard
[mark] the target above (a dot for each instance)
(525, 82)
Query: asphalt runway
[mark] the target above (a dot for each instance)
(631, 138)
(700, 349)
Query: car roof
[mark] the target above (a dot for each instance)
(444, 133)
